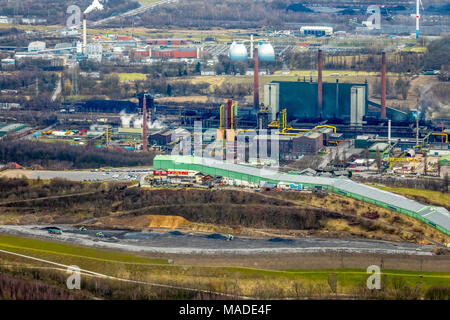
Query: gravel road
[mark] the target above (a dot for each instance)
(176, 242)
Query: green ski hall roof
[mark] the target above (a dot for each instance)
(437, 217)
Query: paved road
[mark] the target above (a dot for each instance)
(187, 243)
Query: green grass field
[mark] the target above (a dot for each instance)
(39, 248)
(147, 2)
(250, 281)
(131, 76)
(433, 197)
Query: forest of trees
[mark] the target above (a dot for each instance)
(233, 14)
(25, 283)
(65, 156)
(228, 208)
(438, 54)
(370, 60)
(420, 183)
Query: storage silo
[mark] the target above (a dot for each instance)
(266, 52)
(238, 52)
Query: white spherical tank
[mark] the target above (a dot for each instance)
(266, 52)
(238, 52)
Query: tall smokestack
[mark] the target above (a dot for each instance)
(383, 85)
(319, 82)
(84, 34)
(229, 115)
(256, 80)
(251, 46)
(144, 124)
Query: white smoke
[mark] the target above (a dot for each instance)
(125, 119)
(156, 125)
(136, 121)
(435, 101)
(95, 5)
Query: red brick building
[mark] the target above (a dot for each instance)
(175, 53)
(167, 42)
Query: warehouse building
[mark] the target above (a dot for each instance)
(175, 53)
(381, 147)
(317, 31)
(308, 143)
(436, 217)
(166, 42)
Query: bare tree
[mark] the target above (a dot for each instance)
(378, 160)
(445, 183)
(366, 155)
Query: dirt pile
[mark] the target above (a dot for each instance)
(142, 222)
(172, 222)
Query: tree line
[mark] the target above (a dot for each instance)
(60, 156)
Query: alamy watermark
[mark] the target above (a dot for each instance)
(74, 20)
(374, 280)
(215, 146)
(74, 280)
(374, 20)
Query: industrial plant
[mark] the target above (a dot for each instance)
(224, 149)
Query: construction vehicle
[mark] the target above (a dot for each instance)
(54, 231)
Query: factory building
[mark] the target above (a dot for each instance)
(308, 143)
(381, 147)
(139, 54)
(165, 136)
(316, 31)
(8, 64)
(166, 42)
(436, 217)
(124, 38)
(176, 53)
(342, 102)
(63, 48)
(94, 51)
(293, 146)
(106, 106)
(345, 105)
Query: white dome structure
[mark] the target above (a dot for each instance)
(266, 52)
(238, 52)
(36, 46)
